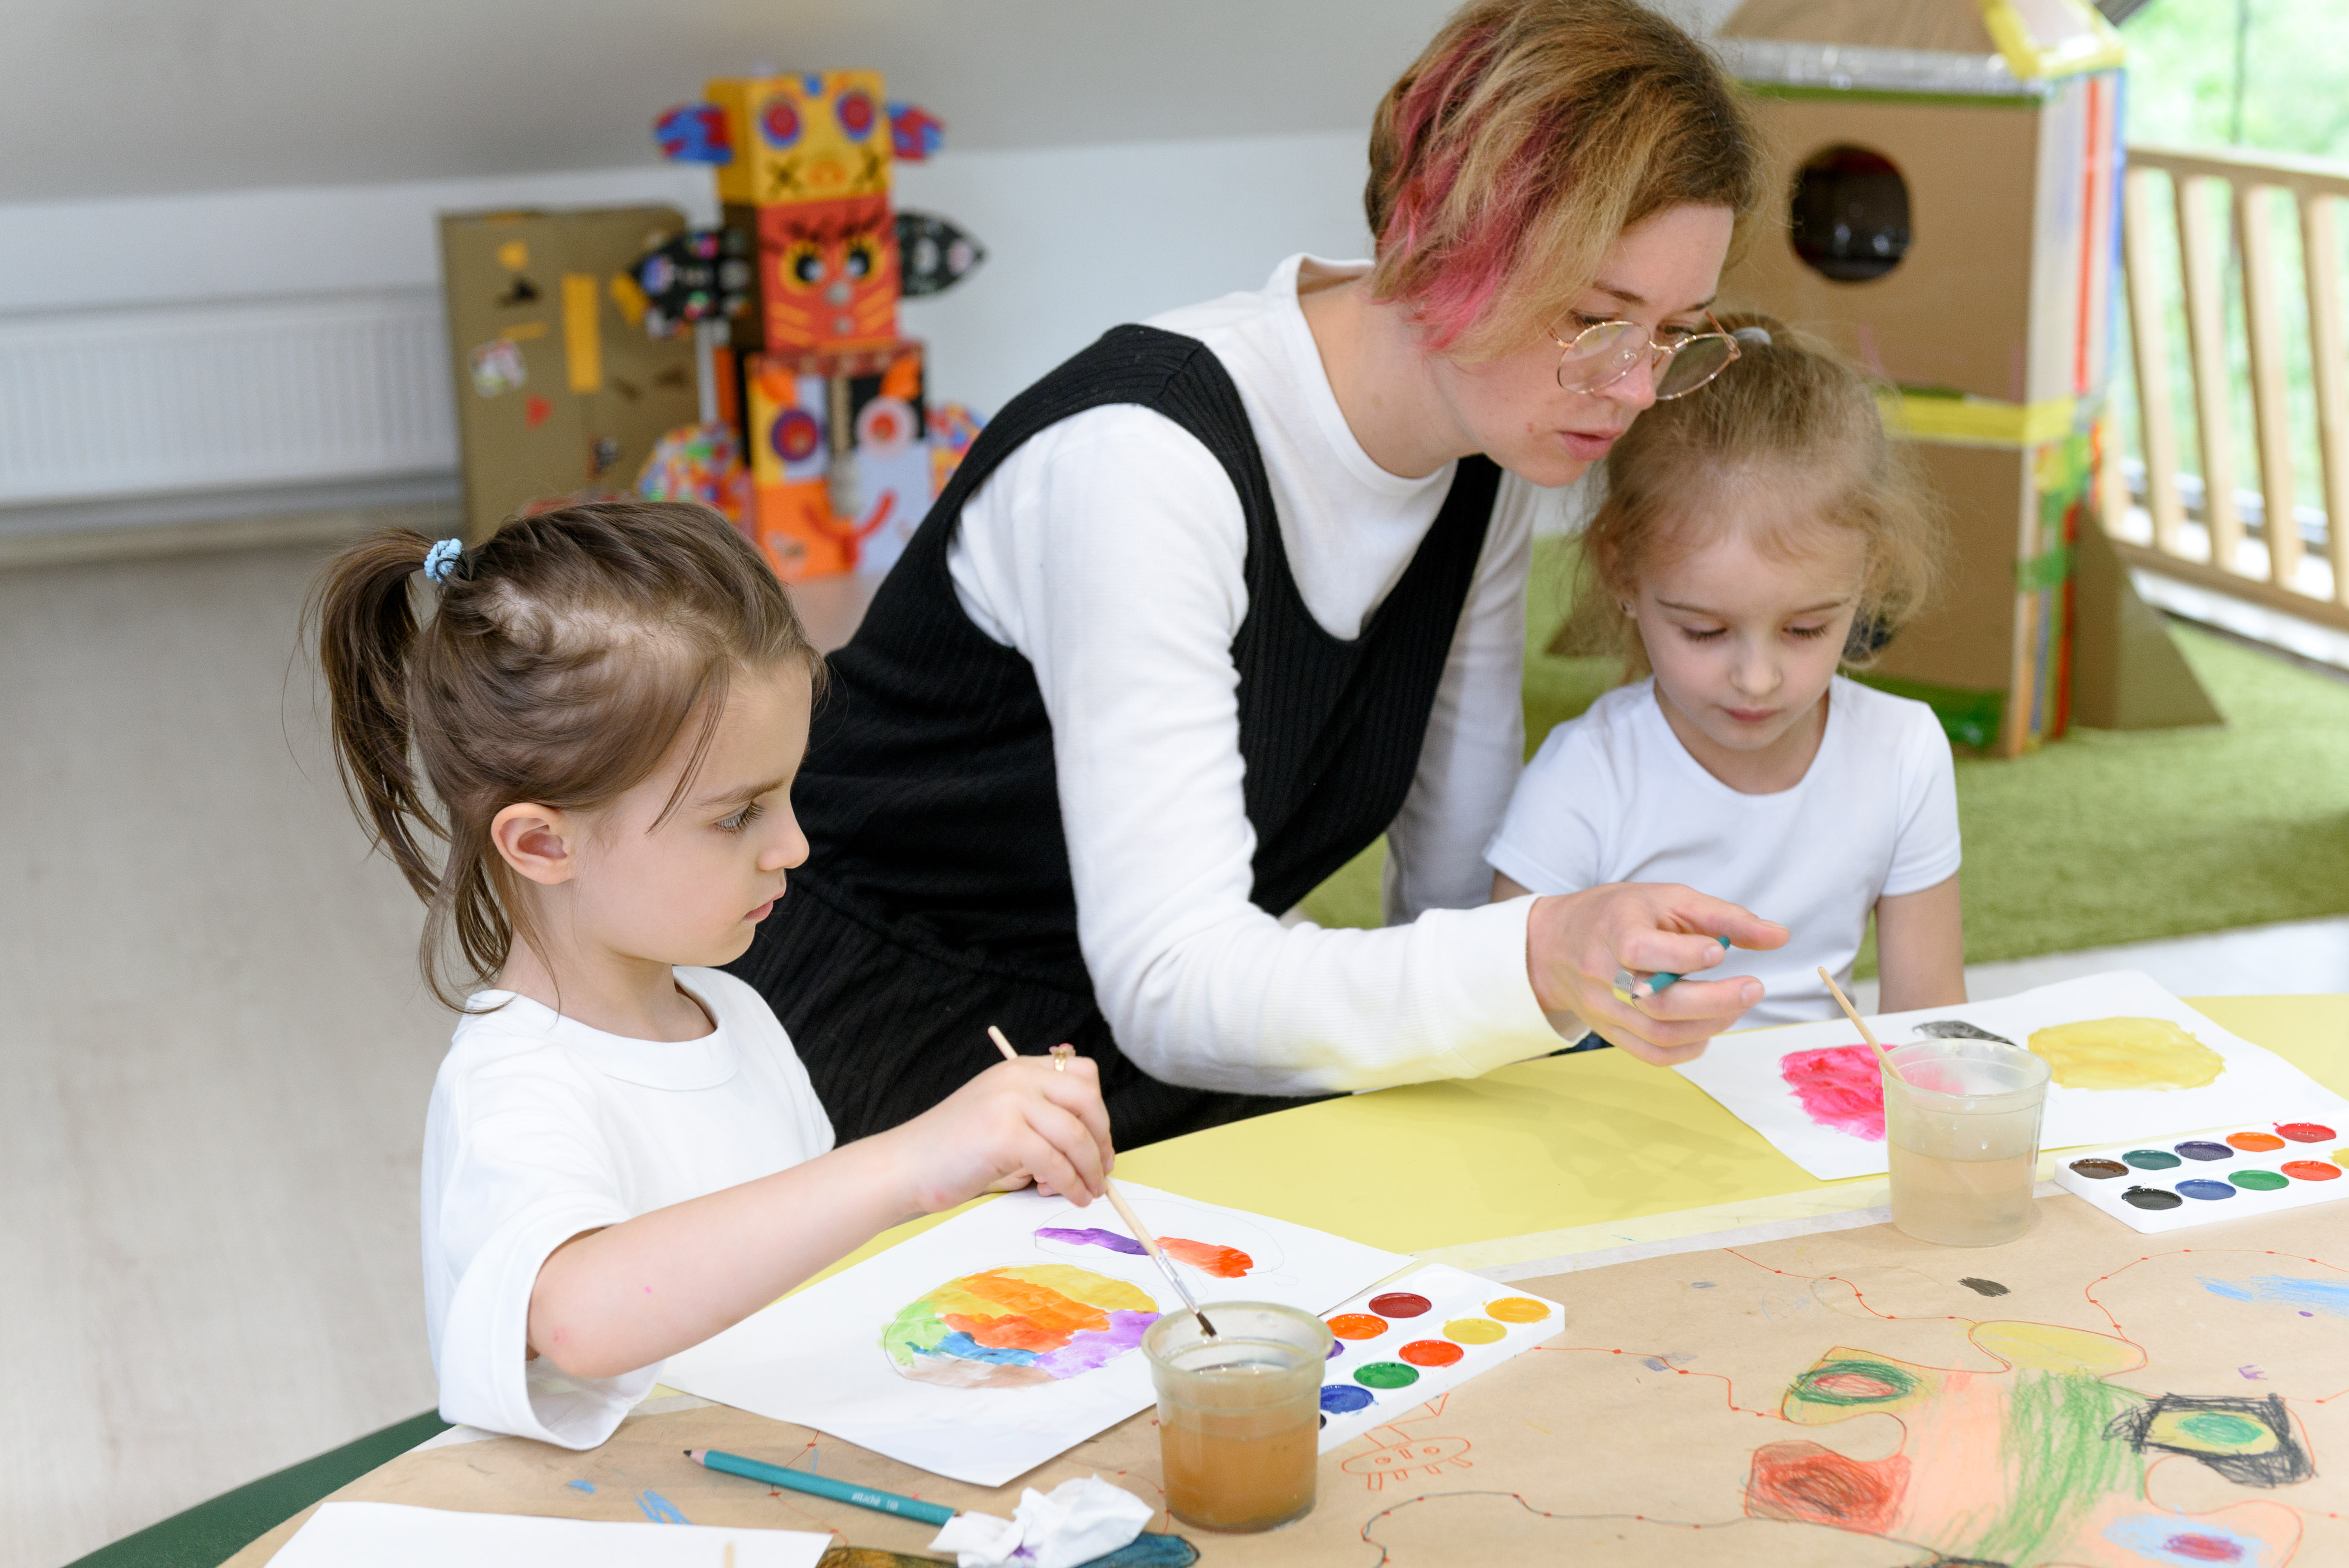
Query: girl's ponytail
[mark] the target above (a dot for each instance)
(367, 630)
(564, 655)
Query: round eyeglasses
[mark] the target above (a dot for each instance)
(1601, 354)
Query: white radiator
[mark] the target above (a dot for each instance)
(222, 395)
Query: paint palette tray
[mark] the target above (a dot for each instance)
(2169, 1183)
(1404, 1343)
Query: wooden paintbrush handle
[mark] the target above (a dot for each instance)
(1132, 1221)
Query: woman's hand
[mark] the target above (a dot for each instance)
(1016, 1121)
(1576, 942)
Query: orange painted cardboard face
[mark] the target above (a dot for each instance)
(828, 274)
(820, 136)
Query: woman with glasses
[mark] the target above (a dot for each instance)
(1231, 593)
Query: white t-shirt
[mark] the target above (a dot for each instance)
(542, 1128)
(1109, 552)
(1614, 797)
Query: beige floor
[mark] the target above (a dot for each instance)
(217, 1056)
(216, 1053)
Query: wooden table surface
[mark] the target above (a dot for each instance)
(1557, 1156)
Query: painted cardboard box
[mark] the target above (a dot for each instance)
(807, 135)
(560, 392)
(828, 274)
(805, 412)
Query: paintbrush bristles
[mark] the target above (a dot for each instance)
(1860, 1024)
(1158, 1254)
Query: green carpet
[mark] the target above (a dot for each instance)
(2101, 838)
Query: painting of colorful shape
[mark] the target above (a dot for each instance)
(987, 1344)
(1022, 1326)
(2126, 1060)
(1017, 1328)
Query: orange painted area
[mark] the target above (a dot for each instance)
(2255, 1142)
(1010, 1331)
(1049, 1311)
(1357, 1326)
(1223, 1263)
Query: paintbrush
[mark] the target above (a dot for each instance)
(1857, 1023)
(1061, 1055)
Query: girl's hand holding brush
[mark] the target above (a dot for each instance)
(1020, 1119)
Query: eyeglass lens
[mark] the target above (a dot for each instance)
(1698, 362)
(1606, 354)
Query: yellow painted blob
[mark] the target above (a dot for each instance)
(2127, 1053)
(1473, 1331)
(2048, 1348)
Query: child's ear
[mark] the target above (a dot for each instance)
(536, 842)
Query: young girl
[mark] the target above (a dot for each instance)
(623, 1155)
(1756, 534)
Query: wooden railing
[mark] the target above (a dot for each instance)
(2235, 525)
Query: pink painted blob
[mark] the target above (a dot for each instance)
(1839, 1089)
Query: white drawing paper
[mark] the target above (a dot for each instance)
(1439, 1325)
(395, 1535)
(1748, 1074)
(918, 1352)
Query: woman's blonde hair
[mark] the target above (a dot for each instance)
(565, 655)
(1527, 137)
(1788, 410)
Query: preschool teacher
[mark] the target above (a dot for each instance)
(1227, 595)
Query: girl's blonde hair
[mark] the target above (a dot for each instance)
(1527, 136)
(1788, 410)
(568, 654)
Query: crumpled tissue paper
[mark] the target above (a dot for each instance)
(1075, 1523)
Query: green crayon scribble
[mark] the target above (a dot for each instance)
(2059, 1460)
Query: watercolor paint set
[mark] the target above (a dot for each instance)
(1405, 1342)
(2167, 1185)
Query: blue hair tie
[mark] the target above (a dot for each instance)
(444, 558)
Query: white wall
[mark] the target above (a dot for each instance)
(243, 342)
(1080, 239)
(118, 313)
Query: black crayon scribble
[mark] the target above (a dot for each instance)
(2249, 1441)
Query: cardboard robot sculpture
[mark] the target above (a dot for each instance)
(1952, 172)
(815, 394)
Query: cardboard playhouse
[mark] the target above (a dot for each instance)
(1950, 171)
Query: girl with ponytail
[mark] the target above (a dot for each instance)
(581, 757)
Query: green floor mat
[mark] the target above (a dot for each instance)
(204, 1535)
(2101, 838)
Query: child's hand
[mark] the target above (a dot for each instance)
(1024, 1119)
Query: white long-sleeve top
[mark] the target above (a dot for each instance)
(1110, 551)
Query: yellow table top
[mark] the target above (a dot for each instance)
(1595, 1139)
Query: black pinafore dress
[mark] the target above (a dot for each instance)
(937, 897)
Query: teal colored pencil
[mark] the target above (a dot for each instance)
(822, 1486)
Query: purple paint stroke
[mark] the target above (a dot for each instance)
(1091, 1237)
(1096, 1346)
